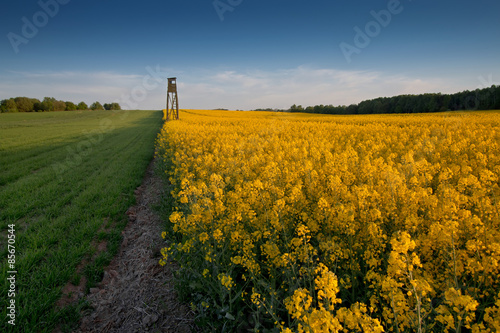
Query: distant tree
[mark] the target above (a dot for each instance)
(319, 108)
(432, 105)
(48, 104)
(352, 109)
(59, 106)
(37, 107)
(112, 106)
(96, 106)
(70, 106)
(469, 100)
(479, 99)
(365, 107)
(267, 109)
(82, 106)
(496, 97)
(296, 108)
(445, 103)
(34, 101)
(8, 105)
(24, 104)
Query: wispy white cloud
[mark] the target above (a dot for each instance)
(234, 89)
(66, 85)
(301, 85)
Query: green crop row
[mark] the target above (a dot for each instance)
(66, 180)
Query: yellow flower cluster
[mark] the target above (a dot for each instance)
(335, 223)
(226, 281)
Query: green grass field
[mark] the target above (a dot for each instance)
(66, 180)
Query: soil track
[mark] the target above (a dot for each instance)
(136, 293)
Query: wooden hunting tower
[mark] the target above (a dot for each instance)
(172, 100)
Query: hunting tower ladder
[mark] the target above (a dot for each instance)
(172, 110)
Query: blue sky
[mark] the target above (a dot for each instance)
(245, 54)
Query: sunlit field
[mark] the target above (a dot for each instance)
(294, 222)
(66, 180)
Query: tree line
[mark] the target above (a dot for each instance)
(479, 99)
(25, 104)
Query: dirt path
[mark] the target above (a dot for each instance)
(136, 294)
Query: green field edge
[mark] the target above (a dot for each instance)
(48, 318)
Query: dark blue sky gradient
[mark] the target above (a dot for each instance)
(456, 40)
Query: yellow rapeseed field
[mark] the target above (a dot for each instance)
(315, 223)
